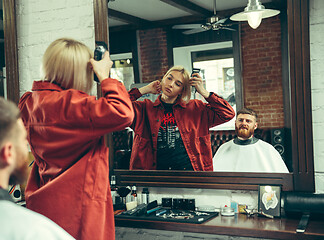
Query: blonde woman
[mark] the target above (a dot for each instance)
(172, 133)
(69, 181)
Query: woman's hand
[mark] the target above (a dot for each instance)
(102, 67)
(197, 82)
(153, 87)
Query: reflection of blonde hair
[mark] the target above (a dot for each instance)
(186, 93)
(66, 62)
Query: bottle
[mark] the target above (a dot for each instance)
(113, 188)
(129, 197)
(145, 196)
(134, 194)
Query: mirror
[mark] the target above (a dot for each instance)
(262, 73)
(230, 180)
(302, 177)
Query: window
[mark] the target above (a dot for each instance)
(216, 62)
(122, 69)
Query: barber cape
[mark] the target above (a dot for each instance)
(252, 155)
(20, 223)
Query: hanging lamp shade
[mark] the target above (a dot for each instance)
(254, 13)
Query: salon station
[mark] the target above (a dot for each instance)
(265, 55)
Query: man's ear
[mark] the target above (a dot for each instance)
(255, 125)
(6, 153)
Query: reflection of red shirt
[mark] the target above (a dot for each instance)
(69, 182)
(193, 119)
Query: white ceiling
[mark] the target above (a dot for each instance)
(154, 10)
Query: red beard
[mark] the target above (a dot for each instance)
(244, 132)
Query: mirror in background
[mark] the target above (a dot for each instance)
(257, 51)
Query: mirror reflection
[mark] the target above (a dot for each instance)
(173, 132)
(244, 67)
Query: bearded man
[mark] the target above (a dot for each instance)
(16, 221)
(246, 153)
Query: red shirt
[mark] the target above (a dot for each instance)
(193, 120)
(69, 181)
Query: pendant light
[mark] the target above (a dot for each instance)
(253, 13)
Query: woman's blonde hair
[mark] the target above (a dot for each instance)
(186, 93)
(66, 62)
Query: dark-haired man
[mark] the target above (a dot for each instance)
(245, 153)
(18, 222)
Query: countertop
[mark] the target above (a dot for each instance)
(238, 225)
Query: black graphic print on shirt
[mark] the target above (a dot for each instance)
(172, 153)
(169, 132)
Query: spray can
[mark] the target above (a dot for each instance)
(113, 188)
(145, 196)
(134, 194)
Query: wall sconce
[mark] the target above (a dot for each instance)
(253, 13)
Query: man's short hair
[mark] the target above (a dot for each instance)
(9, 114)
(247, 111)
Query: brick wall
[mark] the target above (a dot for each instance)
(153, 54)
(262, 79)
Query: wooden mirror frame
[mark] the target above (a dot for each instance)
(302, 178)
(300, 84)
(11, 50)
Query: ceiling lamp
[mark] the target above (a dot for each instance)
(253, 13)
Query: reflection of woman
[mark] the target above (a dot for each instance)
(69, 180)
(173, 132)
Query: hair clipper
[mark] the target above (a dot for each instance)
(101, 48)
(194, 70)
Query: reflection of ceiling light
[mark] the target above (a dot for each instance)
(253, 13)
(128, 61)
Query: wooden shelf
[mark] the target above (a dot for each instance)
(240, 225)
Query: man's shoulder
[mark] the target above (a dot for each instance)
(227, 144)
(262, 142)
(15, 217)
(12, 211)
(268, 147)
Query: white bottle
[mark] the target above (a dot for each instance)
(134, 194)
(113, 188)
(145, 196)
